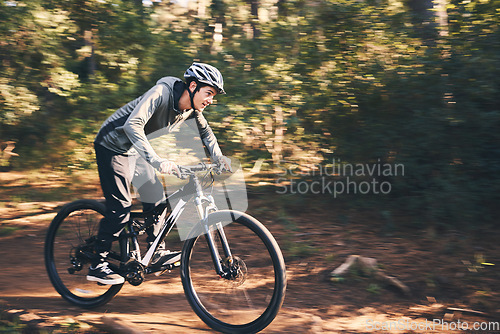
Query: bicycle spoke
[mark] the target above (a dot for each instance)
(249, 297)
(67, 254)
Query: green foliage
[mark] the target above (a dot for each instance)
(307, 82)
(10, 323)
(8, 230)
(373, 288)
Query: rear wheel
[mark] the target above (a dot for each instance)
(250, 295)
(69, 247)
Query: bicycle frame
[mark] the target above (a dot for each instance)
(204, 206)
(235, 295)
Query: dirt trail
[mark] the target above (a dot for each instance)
(25, 286)
(438, 278)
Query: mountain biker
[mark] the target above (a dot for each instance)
(124, 153)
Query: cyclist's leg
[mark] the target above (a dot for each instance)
(115, 173)
(151, 192)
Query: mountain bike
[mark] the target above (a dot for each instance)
(232, 269)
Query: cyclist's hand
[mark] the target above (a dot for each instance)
(167, 167)
(225, 163)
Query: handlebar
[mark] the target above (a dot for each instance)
(190, 170)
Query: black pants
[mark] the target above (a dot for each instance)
(117, 173)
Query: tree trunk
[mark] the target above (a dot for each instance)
(423, 18)
(282, 10)
(88, 37)
(442, 16)
(254, 17)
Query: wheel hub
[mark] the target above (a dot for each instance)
(235, 270)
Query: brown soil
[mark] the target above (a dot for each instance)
(443, 270)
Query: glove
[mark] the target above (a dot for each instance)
(225, 163)
(167, 167)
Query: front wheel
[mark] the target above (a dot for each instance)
(247, 300)
(69, 247)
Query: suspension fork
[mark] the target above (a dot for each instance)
(225, 244)
(214, 251)
(203, 214)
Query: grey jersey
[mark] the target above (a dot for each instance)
(155, 112)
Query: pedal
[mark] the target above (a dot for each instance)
(168, 268)
(159, 273)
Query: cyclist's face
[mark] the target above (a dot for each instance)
(204, 97)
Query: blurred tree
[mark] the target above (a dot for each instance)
(410, 82)
(254, 17)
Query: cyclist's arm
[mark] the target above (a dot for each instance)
(207, 136)
(134, 126)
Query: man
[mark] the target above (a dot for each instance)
(124, 153)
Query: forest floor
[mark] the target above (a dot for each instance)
(453, 276)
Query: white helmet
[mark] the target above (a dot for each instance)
(206, 74)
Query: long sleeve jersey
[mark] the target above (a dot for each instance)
(154, 113)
